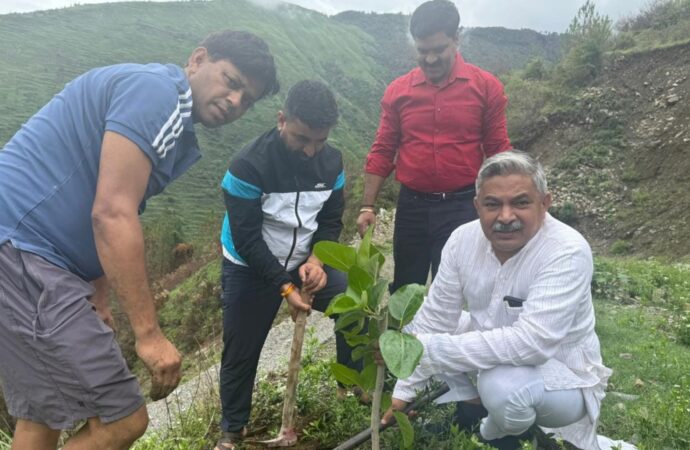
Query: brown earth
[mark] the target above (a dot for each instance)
(632, 194)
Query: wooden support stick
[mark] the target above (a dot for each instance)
(288, 435)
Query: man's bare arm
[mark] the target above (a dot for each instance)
(372, 187)
(124, 171)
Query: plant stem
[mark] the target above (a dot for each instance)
(378, 389)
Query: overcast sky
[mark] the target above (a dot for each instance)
(540, 15)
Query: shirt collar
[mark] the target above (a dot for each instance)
(459, 70)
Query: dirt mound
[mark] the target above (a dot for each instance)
(628, 187)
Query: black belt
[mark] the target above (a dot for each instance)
(461, 194)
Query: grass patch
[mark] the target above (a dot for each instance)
(643, 325)
(640, 307)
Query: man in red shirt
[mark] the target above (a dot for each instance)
(438, 124)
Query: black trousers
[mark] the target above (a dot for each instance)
(249, 307)
(423, 224)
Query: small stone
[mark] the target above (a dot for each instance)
(639, 383)
(672, 99)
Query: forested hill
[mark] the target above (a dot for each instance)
(355, 53)
(495, 49)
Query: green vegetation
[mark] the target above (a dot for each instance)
(5, 440)
(660, 23)
(643, 306)
(642, 321)
(364, 304)
(587, 38)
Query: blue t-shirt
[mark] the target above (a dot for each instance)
(49, 169)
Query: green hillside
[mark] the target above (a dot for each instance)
(42, 51)
(495, 49)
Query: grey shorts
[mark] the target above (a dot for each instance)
(59, 363)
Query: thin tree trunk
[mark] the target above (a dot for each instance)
(378, 390)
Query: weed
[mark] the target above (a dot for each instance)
(566, 213)
(640, 197)
(630, 175)
(5, 440)
(621, 247)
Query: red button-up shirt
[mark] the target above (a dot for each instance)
(436, 137)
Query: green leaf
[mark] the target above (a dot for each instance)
(364, 246)
(373, 264)
(359, 280)
(363, 300)
(373, 331)
(341, 304)
(406, 429)
(338, 256)
(405, 302)
(386, 401)
(368, 377)
(376, 293)
(375, 252)
(346, 375)
(359, 352)
(355, 339)
(348, 318)
(353, 294)
(401, 352)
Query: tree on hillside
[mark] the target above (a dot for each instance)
(587, 38)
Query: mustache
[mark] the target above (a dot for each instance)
(515, 225)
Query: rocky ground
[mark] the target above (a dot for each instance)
(622, 159)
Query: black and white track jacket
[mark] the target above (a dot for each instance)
(279, 204)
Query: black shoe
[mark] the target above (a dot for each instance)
(509, 442)
(468, 416)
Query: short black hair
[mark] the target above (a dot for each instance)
(313, 103)
(246, 51)
(435, 16)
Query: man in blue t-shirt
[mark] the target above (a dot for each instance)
(73, 181)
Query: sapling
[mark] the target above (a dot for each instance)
(371, 320)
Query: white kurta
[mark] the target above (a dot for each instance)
(553, 330)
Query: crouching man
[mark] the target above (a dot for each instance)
(531, 355)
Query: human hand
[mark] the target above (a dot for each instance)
(396, 405)
(163, 362)
(313, 277)
(364, 221)
(298, 301)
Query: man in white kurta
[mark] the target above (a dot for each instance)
(525, 279)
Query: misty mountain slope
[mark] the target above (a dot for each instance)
(42, 51)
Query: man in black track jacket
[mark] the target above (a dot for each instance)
(283, 193)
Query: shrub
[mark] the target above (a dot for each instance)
(588, 37)
(566, 213)
(534, 69)
(621, 247)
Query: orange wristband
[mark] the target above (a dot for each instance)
(288, 290)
